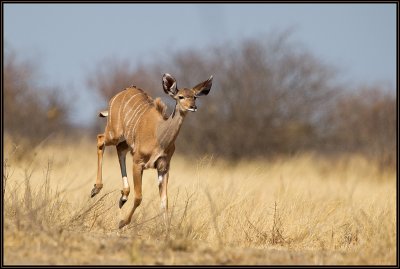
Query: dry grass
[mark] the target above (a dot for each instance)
(299, 210)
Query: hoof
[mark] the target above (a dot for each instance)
(121, 224)
(122, 201)
(95, 190)
(124, 197)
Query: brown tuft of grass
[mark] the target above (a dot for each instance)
(300, 210)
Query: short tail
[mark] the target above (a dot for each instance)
(103, 114)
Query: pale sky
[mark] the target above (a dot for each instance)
(69, 39)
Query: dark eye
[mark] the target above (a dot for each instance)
(194, 97)
(181, 97)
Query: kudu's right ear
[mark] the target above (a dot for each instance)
(169, 84)
(204, 87)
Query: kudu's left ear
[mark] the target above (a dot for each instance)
(204, 87)
(169, 84)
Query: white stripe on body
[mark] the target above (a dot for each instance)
(137, 121)
(109, 117)
(111, 103)
(136, 112)
(132, 131)
(128, 113)
(130, 100)
(119, 110)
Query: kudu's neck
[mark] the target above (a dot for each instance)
(168, 129)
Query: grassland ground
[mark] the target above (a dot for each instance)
(304, 209)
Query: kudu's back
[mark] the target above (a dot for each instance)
(126, 111)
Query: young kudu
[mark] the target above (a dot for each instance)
(138, 124)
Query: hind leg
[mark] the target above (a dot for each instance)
(101, 145)
(122, 150)
(137, 186)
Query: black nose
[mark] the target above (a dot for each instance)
(193, 107)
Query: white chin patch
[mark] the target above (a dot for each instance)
(192, 109)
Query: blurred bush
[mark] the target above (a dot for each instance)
(364, 121)
(31, 111)
(270, 96)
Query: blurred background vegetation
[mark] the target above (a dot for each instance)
(270, 97)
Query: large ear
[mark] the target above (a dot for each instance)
(204, 87)
(169, 84)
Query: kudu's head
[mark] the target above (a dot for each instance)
(185, 98)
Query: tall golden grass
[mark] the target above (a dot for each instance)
(305, 209)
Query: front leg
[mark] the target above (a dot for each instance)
(162, 188)
(163, 175)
